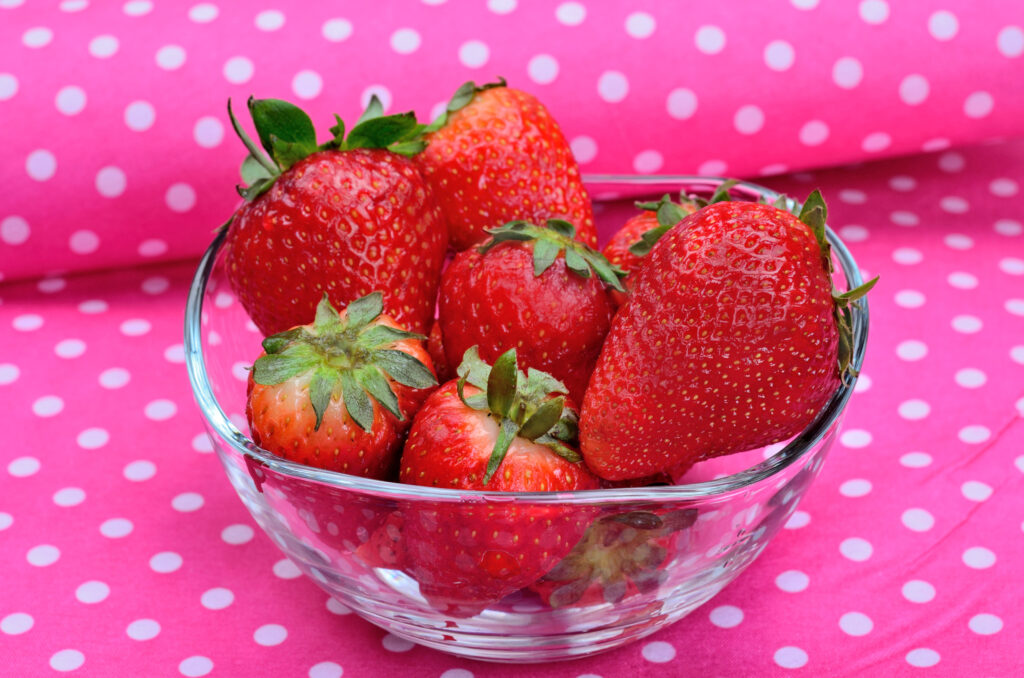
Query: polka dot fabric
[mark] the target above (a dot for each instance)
(121, 150)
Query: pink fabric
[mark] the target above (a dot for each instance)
(125, 550)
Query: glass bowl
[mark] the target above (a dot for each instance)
(678, 545)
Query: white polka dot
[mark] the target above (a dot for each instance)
(336, 30)
(188, 502)
(269, 635)
(1017, 355)
(115, 377)
(970, 377)
(47, 406)
(978, 105)
(710, 39)
(923, 657)
(152, 248)
(974, 434)
(405, 40)
(337, 607)
(779, 55)
(180, 197)
(914, 409)
(138, 7)
(856, 487)
(237, 534)
(474, 54)
(918, 520)
(37, 37)
(874, 11)
(286, 569)
(160, 410)
(111, 182)
(156, 284)
(902, 183)
(116, 528)
(50, 286)
(1010, 41)
(542, 69)
(748, 120)
(875, 142)
(979, 558)
(917, 591)
(103, 46)
(954, 204)
(8, 86)
(6, 520)
(856, 549)
(804, 4)
(93, 438)
(1014, 306)
(938, 144)
(139, 116)
(853, 196)
(208, 132)
(985, 624)
(792, 581)
(67, 660)
(726, 616)
(909, 299)
(612, 86)
(855, 438)
(975, 490)
(952, 162)
(914, 89)
(790, 657)
(8, 373)
(797, 520)
(501, 6)
(712, 168)
(584, 149)
(201, 443)
(658, 652)
(853, 233)
(856, 624)
(332, 670)
(307, 84)
(69, 496)
(571, 13)
(682, 103)
(904, 218)
(175, 353)
(143, 629)
(84, 242)
(27, 322)
(16, 623)
(140, 470)
(962, 280)
(170, 57)
(238, 70)
(1012, 266)
(847, 72)
(814, 133)
(217, 599)
(41, 165)
(393, 643)
(907, 256)
(966, 324)
(135, 327)
(647, 162)
(640, 25)
(943, 25)
(92, 592)
(773, 169)
(14, 230)
(42, 555)
(196, 666)
(70, 100)
(165, 562)
(23, 467)
(269, 20)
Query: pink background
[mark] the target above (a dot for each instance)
(126, 552)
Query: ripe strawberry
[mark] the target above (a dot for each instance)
(435, 345)
(345, 218)
(494, 429)
(533, 289)
(496, 155)
(338, 394)
(732, 339)
(630, 243)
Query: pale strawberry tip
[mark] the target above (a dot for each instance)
(349, 355)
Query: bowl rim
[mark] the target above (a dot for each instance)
(221, 425)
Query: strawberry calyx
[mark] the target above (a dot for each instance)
(669, 213)
(460, 99)
(529, 405)
(350, 355)
(555, 237)
(287, 136)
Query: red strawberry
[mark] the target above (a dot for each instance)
(494, 429)
(731, 340)
(345, 218)
(435, 345)
(496, 155)
(534, 289)
(630, 243)
(339, 393)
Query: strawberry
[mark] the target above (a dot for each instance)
(534, 289)
(339, 393)
(496, 155)
(493, 429)
(732, 339)
(435, 345)
(345, 218)
(629, 244)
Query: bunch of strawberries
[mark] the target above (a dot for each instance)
(436, 311)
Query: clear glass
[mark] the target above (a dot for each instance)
(694, 537)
